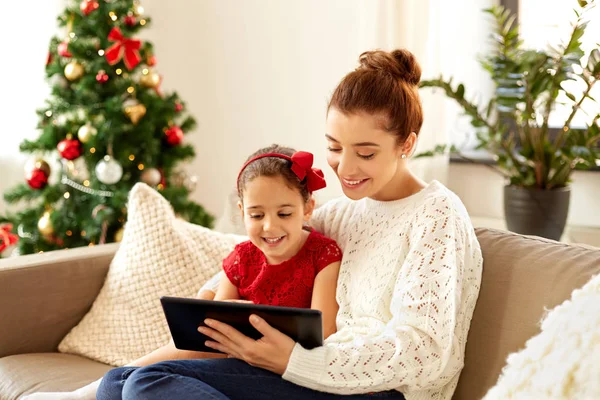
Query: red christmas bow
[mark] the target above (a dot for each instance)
(125, 48)
(302, 162)
(7, 238)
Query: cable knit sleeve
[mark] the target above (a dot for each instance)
(411, 348)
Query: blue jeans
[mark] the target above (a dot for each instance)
(214, 379)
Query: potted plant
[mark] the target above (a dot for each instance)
(513, 127)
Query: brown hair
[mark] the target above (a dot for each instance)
(272, 166)
(386, 84)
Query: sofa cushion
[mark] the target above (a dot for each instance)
(523, 277)
(49, 372)
(159, 255)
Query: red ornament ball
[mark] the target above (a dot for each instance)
(49, 58)
(178, 107)
(151, 61)
(70, 149)
(87, 6)
(102, 76)
(174, 135)
(63, 50)
(36, 178)
(130, 20)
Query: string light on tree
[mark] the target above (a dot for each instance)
(109, 171)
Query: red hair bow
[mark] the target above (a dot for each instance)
(7, 238)
(125, 48)
(302, 162)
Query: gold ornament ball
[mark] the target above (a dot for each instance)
(45, 225)
(135, 112)
(119, 235)
(86, 132)
(37, 164)
(73, 71)
(150, 80)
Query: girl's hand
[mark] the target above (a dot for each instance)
(271, 352)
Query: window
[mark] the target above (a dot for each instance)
(545, 22)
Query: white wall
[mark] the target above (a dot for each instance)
(253, 73)
(258, 72)
(26, 30)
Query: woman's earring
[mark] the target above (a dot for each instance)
(403, 156)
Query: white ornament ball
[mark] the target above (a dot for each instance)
(109, 171)
(151, 176)
(86, 132)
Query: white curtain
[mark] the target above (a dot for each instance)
(446, 37)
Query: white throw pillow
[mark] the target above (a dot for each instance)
(159, 255)
(563, 361)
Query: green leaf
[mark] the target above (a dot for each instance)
(582, 3)
(460, 91)
(571, 96)
(593, 64)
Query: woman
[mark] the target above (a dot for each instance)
(408, 282)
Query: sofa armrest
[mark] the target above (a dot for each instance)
(43, 296)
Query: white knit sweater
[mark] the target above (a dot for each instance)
(407, 289)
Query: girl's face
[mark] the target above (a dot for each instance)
(274, 215)
(367, 159)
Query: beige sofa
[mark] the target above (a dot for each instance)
(43, 296)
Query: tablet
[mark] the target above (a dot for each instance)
(184, 316)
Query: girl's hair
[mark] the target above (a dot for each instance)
(386, 84)
(272, 166)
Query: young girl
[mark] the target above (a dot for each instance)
(284, 263)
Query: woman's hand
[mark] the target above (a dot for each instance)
(271, 352)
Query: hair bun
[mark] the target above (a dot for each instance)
(401, 64)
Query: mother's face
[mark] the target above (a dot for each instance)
(365, 157)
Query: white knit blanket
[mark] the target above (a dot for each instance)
(563, 361)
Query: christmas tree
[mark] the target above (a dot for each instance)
(108, 125)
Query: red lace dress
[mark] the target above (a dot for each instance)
(288, 284)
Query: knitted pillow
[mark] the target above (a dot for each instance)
(561, 362)
(159, 255)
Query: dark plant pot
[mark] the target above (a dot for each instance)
(536, 212)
